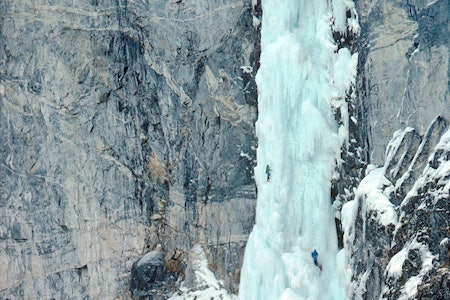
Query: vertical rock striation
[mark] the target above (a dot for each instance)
(124, 125)
(397, 233)
(404, 67)
(397, 228)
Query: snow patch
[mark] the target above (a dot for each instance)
(206, 294)
(372, 181)
(245, 154)
(208, 286)
(348, 215)
(246, 69)
(431, 174)
(431, 3)
(345, 70)
(386, 214)
(409, 290)
(361, 289)
(341, 22)
(256, 22)
(395, 265)
(372, 189)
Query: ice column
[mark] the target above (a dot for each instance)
(300, 140)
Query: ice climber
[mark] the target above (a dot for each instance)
(268, 172)
(314, 254)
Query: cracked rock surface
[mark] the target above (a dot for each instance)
(403, 67)
(396, 233)
(125, 126)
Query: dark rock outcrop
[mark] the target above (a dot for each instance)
(148, 274)
(157, 274)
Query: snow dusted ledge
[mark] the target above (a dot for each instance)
(396, 229)
(200, 282)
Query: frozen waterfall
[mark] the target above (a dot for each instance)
(301, 78)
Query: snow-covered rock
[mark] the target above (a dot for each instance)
(200, 283)
(396, 239)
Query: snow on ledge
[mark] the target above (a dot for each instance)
(209, 286)
(206, 294)
(371, 187)
(341, 22)
(386, 214)
(394, 268)
(395, 265)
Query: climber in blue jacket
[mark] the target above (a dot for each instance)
(314, 254)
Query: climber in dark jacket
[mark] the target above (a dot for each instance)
(314, 254)
(268, 172)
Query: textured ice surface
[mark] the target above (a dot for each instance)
(300, 79)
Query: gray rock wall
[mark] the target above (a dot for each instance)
(403, 80)
(399, 248)
(124, 125)
(404, 67)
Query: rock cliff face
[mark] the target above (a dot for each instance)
(404, 67)
(125, 126)
(127, 133)
(397, 226)
(396, 232)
